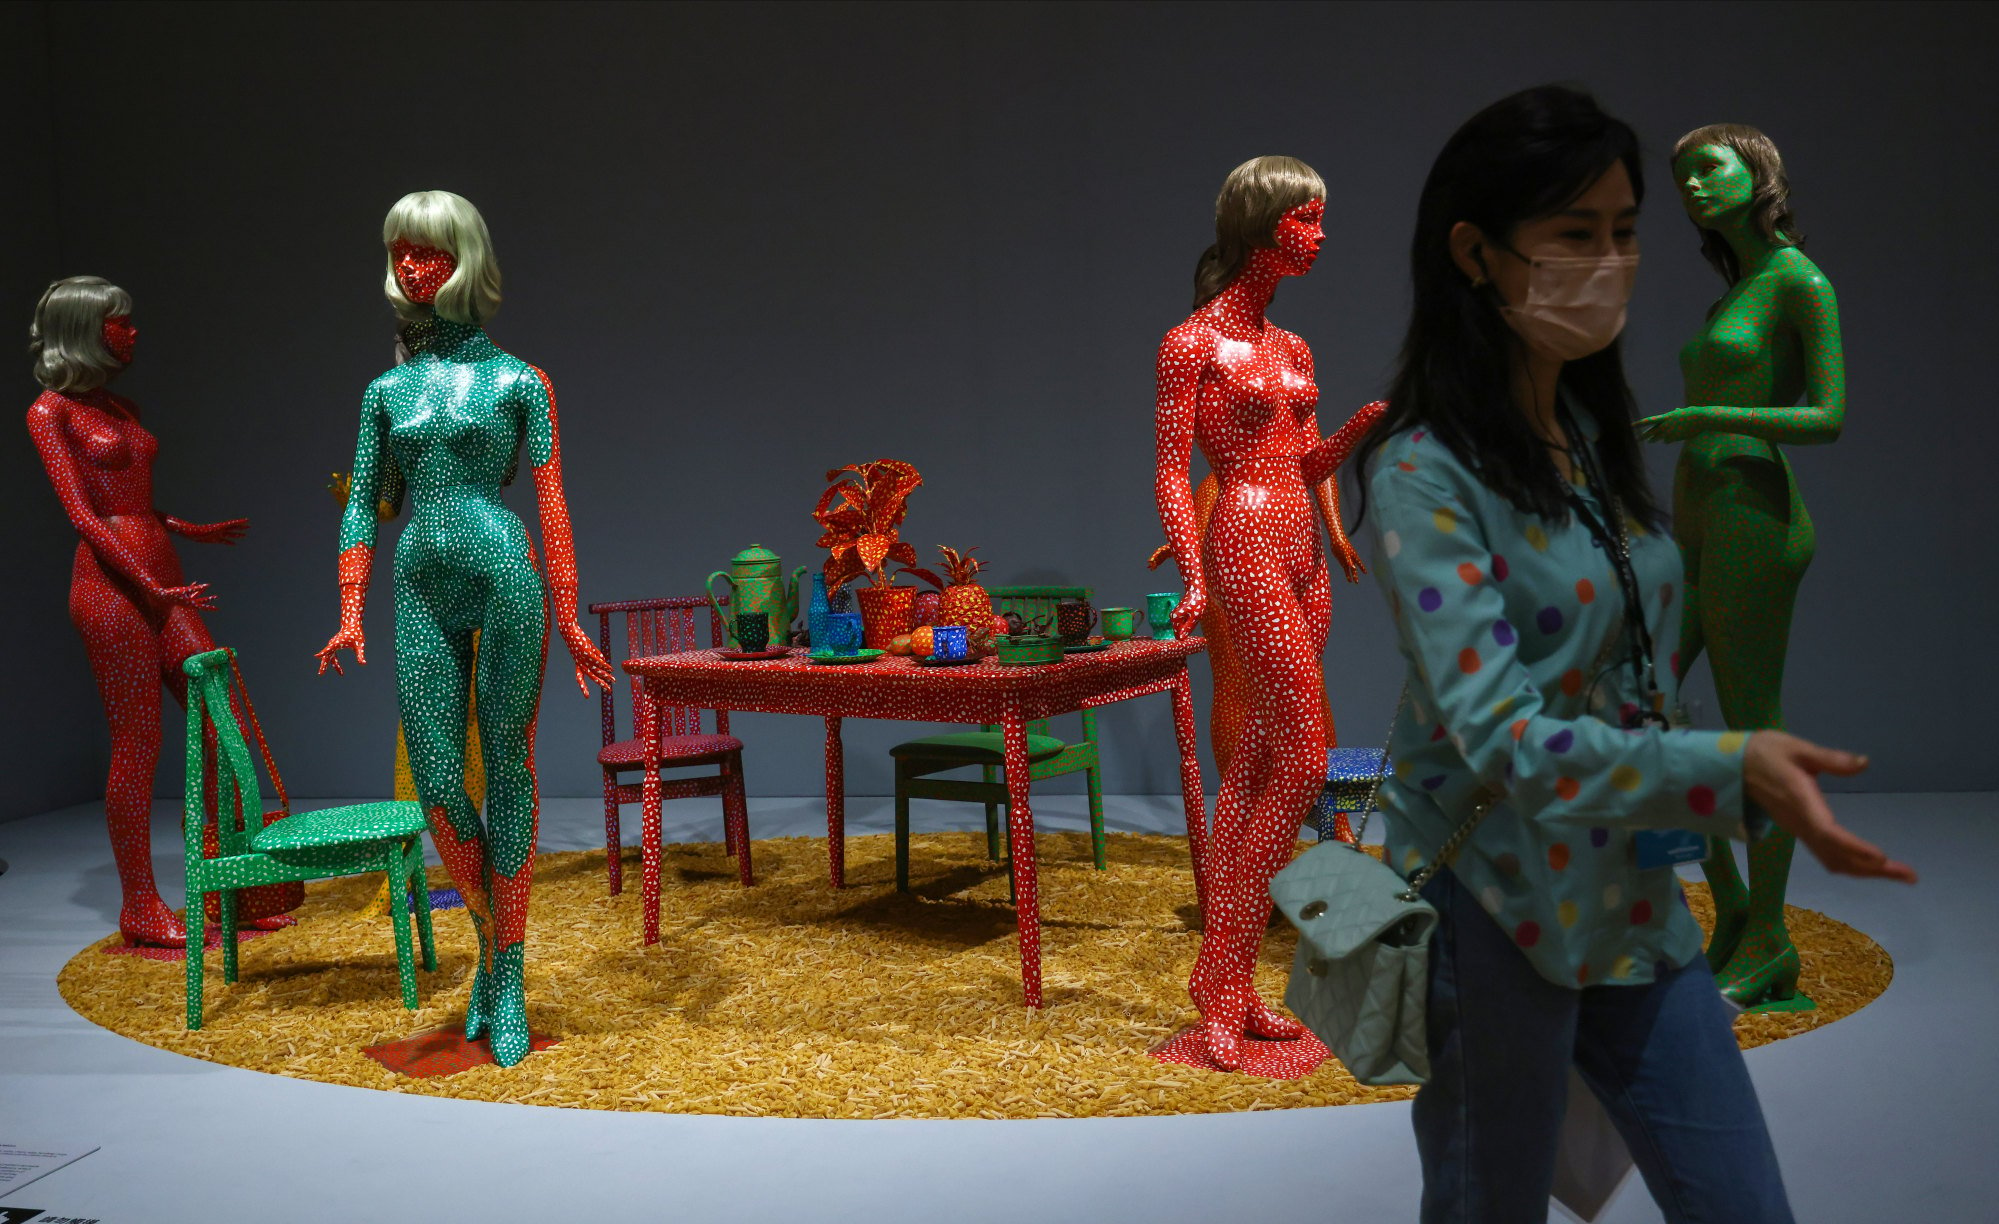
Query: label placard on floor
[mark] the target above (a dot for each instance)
(21, 1163)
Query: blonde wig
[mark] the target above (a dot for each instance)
(1254, 197)
(449, 223)
(1770, 198)
(67, 337)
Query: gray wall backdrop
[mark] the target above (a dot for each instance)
(750, 243)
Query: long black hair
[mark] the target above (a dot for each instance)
(1524, 157)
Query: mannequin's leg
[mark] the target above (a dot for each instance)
(513, 653)
(1760, 542)
(433, 686)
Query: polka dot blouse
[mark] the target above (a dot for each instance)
(1504, 619)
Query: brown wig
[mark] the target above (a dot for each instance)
(1769, 203)
(1254, 197)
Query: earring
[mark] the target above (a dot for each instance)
(1478, 282)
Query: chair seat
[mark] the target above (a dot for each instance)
(673, 750)
(340, 826)
(1353, 764)
(975, 748)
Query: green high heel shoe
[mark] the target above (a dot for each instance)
(1771, 986)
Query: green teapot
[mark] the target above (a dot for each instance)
(756, 584)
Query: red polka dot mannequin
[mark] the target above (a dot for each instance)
(1243, 388)
(137, 613)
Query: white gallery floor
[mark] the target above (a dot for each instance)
(1888, 1115)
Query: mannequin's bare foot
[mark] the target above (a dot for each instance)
(274, 922)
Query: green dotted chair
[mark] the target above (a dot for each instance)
(307, 846)
(916, 761)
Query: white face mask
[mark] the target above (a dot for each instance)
(1575, 303)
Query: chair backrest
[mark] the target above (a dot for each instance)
(657, 627)
(1034, 602)
(239, 800)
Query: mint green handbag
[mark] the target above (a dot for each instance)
(1361, 978)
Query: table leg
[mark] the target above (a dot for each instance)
(1191, 799)
(836, 803)
(650, 835)
(1020, 846)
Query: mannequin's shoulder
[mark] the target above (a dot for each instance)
(1293, 343)
(49, 411)
(1793, 269)
(1191, 343)
(525, 378)
(397, 377)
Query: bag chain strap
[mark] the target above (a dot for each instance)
(1452, 844)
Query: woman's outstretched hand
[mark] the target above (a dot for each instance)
(349, 638)
(590, 661)
(1780, 774)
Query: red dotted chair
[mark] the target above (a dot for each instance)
(657, 627)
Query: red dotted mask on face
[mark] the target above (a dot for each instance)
(1299, 235)
(119, 337)
(421, 271)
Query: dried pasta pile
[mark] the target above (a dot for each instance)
(791, 1000)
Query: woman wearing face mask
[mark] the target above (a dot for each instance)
(1534, 601)
(1771, 340)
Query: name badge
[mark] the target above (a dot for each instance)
(1668, 847)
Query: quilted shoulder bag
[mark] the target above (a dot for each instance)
(1361, 977)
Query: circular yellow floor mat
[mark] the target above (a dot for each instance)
(791, 1000)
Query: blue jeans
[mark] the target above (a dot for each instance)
(1661, 1057)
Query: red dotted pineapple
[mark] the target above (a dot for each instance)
(965, 601)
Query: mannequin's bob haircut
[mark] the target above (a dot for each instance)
(67, 337)
(1770, 198)
(450, 224)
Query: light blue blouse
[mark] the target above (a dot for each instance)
(1512, 627)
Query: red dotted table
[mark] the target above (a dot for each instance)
(899, 688)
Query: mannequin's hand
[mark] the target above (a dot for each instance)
(590, 661)
(1160, 556)
(1780, 773)
(1191, 609)
(227, 532)
(349, 638)
(1349, 559)
(193, 595)
(1675, 426)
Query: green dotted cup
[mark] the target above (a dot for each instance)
(752, 631)
(1159, 613)
(1119, 623)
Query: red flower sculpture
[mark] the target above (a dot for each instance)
(862, 511)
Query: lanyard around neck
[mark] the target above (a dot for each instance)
(1617, 546)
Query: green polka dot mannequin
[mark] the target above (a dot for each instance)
(1764, 370)
(455, 417)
